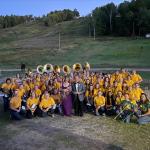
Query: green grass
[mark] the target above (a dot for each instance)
(36, 44)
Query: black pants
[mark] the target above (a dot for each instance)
(78, 107)
(6, 103)
(15, 115)
(30, 115)
(41, 113)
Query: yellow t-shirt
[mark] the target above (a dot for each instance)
(57, 98)
(6, 87)
(57, 85)
(15, 102)
(96, 91)
(136, 78)
(38, 92)
(137, 93)
(45, 103)
(129, 82)
(119, 100)
(21, 92)
(99, 101)
(101, 83)
(14, 86)
(26, 87)
(31, 101)
(118, 77)
(31, 85)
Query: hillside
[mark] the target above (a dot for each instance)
(34, 44)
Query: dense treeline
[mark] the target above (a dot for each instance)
(60, 16)
(50, 19)
(126, 19)
(129, 18)
(13, 20)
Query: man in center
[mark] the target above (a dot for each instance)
(78, 90)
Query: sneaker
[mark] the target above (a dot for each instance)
(103, 114)
(52, 115)
(97, 114)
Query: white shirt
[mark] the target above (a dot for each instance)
(77, 87)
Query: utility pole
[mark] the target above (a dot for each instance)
(59, 41)
(89, 31)
(94, 32)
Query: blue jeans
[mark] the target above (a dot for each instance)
(144, 119)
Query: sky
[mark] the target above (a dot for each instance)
(41, 7)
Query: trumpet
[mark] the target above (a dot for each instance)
(87, 66)
(66, 69)
(77, 67)
(48, 68)
(40, 69)
(56, 69)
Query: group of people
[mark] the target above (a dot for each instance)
(118, 94)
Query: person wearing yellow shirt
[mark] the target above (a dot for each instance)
(112, 79)
(137, 92)
(136, 78)
(26, 86)
(32, 103)
(47, 105)
(6, 89)
(15, 106)
(37, 92)
(21, 91)
(131, 95)
(116, 89)
(96, 89)
(57, 98)
(124, 73)
(119, 98)
(14, 85)
(57, 85)
(99, 103)
(100, 81)
(118, 76)
(129, 81)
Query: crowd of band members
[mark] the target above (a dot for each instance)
(74, 94)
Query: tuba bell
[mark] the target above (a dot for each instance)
(40, 69)
(66, 69)
(87, 66)
(56, 69)
(77, 67)
(48, 68)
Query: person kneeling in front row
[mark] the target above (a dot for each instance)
(32, 103)
(15, 106)
(47, 106)
(99, 103)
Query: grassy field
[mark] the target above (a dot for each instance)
(35, 44)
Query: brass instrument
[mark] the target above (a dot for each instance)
(48, 68)
(40, 69)
(56, 69)
(66, 69)
(87, 66)
(77, 67)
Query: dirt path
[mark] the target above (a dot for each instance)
(51, 134)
